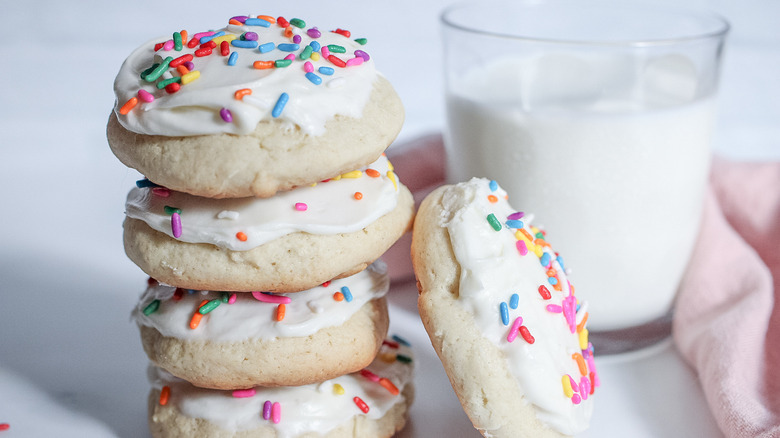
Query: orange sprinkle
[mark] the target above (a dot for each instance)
(388, 385)
(241, 236)
(373, 173)
(239, 95)
(541, 242)
(358, 196)
(182, 70)
(288, 32)
(552, 272)
(281, 309)
(235, 22)
(526, 234)
(267, 18)
(262, 65)
(184, 35)
(164, 395)
(492, 199)
(130, 104)
(580, 363)
(338, 296)
(581, 325)
(557, 286)
(197, 316)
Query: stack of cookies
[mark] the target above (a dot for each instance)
(266, 205)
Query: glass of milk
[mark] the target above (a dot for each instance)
(597, 119)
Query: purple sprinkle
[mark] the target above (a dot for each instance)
(250, 36)
(176, 225)
(515, 216)
(226, 115)
(362, 54)
(240, 18)
(190, 65)
(267, 409)
(297, 39)
(314, 32)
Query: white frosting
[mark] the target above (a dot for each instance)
(247, 318)
(492, 270)
(309, 408)
(195, 108)
(331, 208)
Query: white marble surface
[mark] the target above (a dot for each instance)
(71, 363)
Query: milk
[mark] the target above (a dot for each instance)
(617, 183)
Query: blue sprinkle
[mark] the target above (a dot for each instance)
(279, 107)
(545, 259)
(514, 301)
(493, 186)
(244, 44)
(257, 22)
(560, 262)
(504, 313)
(347, 294)
(401, 341)
(233, 58)
(514, 223)
(143, 183)
(553, 281)
(578, 307)
(326, 70)
(288, 47)
(315, 46)
(267, 47)
(316, 80)
(206, 39)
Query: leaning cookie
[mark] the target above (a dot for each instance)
(368, 404)
(256, 107)
(290, 242)
(236, 340)
(501, 314)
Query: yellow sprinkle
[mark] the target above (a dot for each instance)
(584, 339)
(538, 250)
(387, 357)
(229, 37)
(567, 390)
(391, 175)
(315, 56)
(353, 174)
(338, 389)
(336, 178)
(390, 165)
(189, 77)
(314, 184)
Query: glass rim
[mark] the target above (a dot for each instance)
(719, 31)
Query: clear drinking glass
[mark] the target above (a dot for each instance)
(596, 118)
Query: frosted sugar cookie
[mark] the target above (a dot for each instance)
(261, 105)
(290, 242)
(502, 315)
(233, 340)
(371, 403)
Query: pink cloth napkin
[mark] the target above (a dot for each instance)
(726, 324)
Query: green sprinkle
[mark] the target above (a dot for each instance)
(177, 41)
(171, 210)
(148, 70)
(281, 63)
(208, 307)
(297, 22)
(152, 307)
(404, 359)
(361, 41)
(539, 235)
(164, 83)
(494, 222)
(335, 48)
(306, 53)
(225, 296)
(159, 70)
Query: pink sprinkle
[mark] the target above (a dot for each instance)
(516, 215)
(232, 298)
(200, 35)
(576, 399)
(354, 61)
(300, 206)
(584, 387)
(176, 225)
(308, 67)
(273, 299)
(276, 413)
(521, 247)
(573, 382)
(161, 192)
(325, 51)
(291, 57)
(514, 330)
(244, 393)
(369, 375)
(554, 308)
(145, 96)
(168, 45)
(267, 410)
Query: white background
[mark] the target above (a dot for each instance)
(71, 363)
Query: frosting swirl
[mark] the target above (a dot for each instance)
(321, 75)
